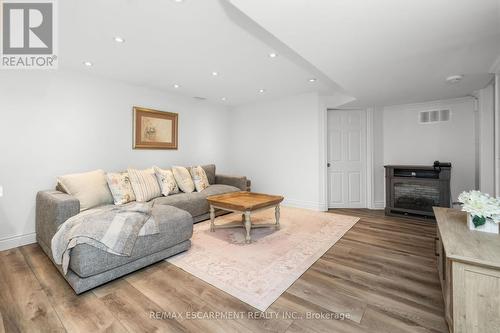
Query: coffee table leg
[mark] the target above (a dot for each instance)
(277, 215)
(212, 218)
(248, 227)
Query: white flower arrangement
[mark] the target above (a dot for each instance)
(481, 206)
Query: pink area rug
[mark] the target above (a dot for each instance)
(258, 273)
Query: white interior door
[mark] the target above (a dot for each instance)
(347, 159)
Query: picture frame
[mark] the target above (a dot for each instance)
(154, 129)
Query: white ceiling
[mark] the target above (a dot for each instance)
(380, 52)
(169, 43)
(389, 51)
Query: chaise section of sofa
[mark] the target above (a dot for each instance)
(90, 267)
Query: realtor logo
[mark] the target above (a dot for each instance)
(28, 34)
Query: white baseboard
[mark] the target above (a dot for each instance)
(378, 205)
(16, 241)
(323, 207)
(306, 204)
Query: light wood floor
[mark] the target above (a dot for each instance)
(382, 271)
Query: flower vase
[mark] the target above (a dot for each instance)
(489, 226)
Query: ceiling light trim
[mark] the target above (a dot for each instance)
(454, 78)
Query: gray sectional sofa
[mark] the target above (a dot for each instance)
(90, 267)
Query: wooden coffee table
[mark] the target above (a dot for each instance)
(244, 203)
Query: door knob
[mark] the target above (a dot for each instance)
(328, 165)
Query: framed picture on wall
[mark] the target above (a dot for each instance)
(155, 129)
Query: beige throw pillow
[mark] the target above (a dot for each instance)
(183, 179)
(119, 184)
(167, 181)
(144, 184)
(90, 188)
(200, 178)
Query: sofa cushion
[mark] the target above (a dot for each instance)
(219, 189)
(119, 184)
(183, 179)
(144, 183)
(196, 202)
(90, 188)
(200, 179)
(87, 260)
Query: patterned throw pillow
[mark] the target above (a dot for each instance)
(167, 181)
(200, 178)
(119, 184)
(144, 184)
(183, 179)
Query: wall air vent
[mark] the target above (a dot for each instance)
(434, 116)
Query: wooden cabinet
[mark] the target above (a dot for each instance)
(445, 277)
(469, 271)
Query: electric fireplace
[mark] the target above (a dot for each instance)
(414, 190)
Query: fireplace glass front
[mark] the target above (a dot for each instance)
(416, 196)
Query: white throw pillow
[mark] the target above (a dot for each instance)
(167, 181)
(183, 179)
(90, 188)
(200, 178)
(144, 184)
(120, 186)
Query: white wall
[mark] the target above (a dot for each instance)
(497, 134)
(378, 159)
(486, 140)
(53, 123)
(280, 145)
(408, 142)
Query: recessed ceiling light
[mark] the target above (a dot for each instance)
(88, 63)
(262, 91)
(119, 39)
(224, 99)
(273, 55)
(176, 86)
(215, 73)
(179, 0)
(454, 78)
(312, 80)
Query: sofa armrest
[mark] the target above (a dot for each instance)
(236, 181)
(53, 208)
